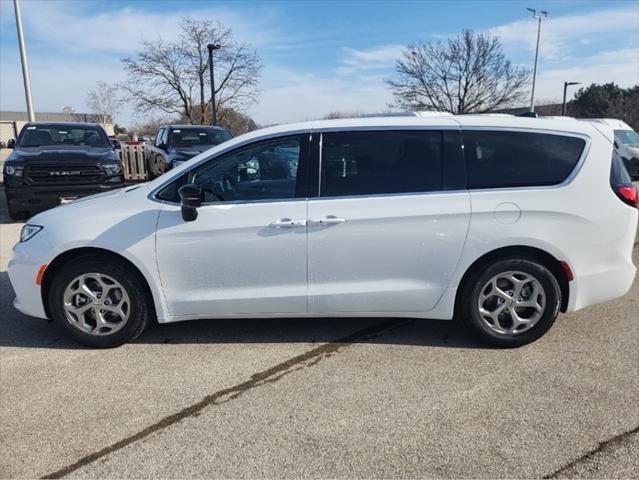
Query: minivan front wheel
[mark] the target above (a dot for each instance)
(100, 302)
(510, 303)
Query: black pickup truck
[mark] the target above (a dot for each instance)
(53, 163)
(175, 144)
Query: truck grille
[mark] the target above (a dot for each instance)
(63, 175)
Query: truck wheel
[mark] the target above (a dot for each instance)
(100, 302)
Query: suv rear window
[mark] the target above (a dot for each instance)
(498, 159)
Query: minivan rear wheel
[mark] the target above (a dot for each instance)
(511, 302)
(100, 302)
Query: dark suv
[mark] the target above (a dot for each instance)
(175, 144)
(53, 163)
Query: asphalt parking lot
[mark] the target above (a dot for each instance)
(342, 398)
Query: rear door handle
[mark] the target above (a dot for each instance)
(328, 220)
(287, 223)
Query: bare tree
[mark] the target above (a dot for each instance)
(105, 101)
(466, 74)
(173, 77)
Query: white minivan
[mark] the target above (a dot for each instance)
(500, 222)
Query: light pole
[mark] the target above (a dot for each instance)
(23, 59)
(563, 105)
(211, 47)
(543, 14)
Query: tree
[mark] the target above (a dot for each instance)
(105, 101)
(234, 121)
(607, 101)
(173, 77)
(466, 74)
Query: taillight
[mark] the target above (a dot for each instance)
(621, 182)
(629, 195)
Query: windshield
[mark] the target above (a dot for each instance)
(628, 137)
(188, 137)
(45, 135)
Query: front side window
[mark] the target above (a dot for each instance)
(502, 159)
(381, 162)
(158, 138)
(267, 170)
(57, 135)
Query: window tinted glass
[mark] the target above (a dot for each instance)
(186, 137)
(381, 162)
(43, 135)
(264, 171)
(514, 159)
(158, 137)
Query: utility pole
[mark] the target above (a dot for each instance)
(563, 105)
(23, 58)
(542, 15)
(211, 47)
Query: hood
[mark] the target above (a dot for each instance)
(192, 150)
(92, 204)
(633, 151)
(68, 154)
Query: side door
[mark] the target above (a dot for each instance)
(389, 225)
(246, 253)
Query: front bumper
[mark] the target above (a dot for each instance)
(36, 199)
(23, 270)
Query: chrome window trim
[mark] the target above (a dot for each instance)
(573, 174)
(569, 179)
(153, 193)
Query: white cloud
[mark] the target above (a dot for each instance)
(559, 35)
(290, 96)
(354, 61)
(76, 26)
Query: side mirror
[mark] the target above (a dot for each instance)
(162, 146)
(191, 200)
(11, 143)
(116, 144)
(616, 144)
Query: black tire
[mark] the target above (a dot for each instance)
(468, 308)
(140, 313)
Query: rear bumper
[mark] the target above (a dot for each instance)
(36, 199)
(605, 272)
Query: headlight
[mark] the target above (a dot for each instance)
(13, 171)
(112, 169)
(29, 231)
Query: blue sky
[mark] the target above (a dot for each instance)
(319, 56)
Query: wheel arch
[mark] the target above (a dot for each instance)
(58, 262)
(524, 252)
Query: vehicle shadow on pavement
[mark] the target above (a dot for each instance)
(21, 331)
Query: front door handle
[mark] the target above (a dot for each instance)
(328, 220)
(287, 223)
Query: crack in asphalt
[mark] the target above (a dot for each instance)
(270, 375)
(600, 448)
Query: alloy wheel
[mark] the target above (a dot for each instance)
(96, 304)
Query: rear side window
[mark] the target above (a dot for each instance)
(386, 162)
(498, 159)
